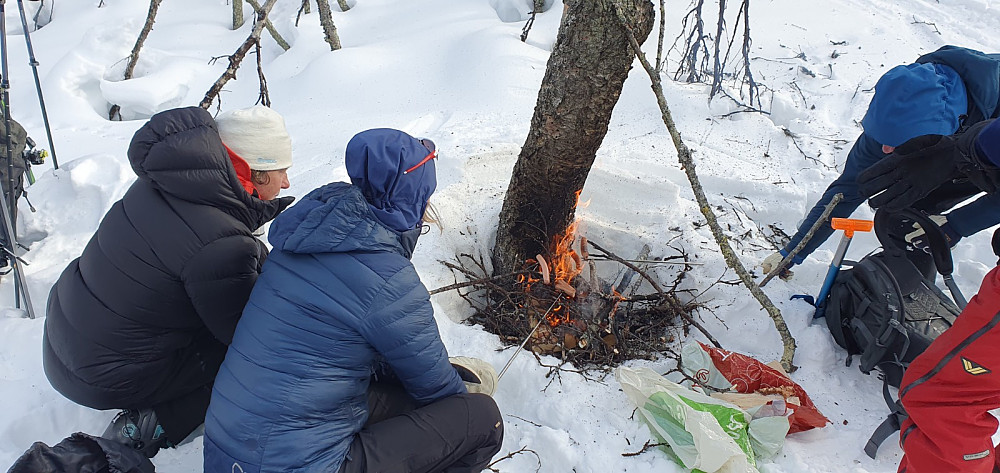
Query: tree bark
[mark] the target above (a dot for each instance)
(326, 19)
(237, 14)
(237, 57)
(343, 5)
(583, 80)
(133, 58)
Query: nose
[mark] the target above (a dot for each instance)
(284, 181)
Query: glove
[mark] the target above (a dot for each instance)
(918, 237)
(772, 261)
(919, 166)
(478, 375)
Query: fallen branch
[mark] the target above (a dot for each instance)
(510, 455)
(659, 290)
(237, 57)
(805, 239)
(477, 281)
(648, 445)
(684, 156)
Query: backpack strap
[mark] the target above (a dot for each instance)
(891, 423)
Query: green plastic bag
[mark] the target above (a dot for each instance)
(705, 434)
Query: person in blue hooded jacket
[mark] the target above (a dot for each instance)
(943, 93)
(337, 364)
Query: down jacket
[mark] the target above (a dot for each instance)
(337, 301)
(171, 261)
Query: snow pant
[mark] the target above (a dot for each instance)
(949, 389)
(457, 434)
(180, 399)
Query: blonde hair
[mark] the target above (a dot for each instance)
(432, 217)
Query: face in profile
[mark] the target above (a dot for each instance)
(268, 184)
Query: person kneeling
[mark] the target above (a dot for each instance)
(337, 364)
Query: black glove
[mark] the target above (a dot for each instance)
(920, 165)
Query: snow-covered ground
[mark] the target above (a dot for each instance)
(457, 72)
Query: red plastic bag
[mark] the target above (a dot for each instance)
(749, 376)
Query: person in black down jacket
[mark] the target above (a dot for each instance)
(142, 319)
(337, 364)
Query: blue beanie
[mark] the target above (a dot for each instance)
(915, 100)
(396, 174)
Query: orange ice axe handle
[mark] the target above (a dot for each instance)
(849, 226)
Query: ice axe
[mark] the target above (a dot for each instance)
(849, 226)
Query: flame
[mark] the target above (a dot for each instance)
(565, 262)
(556, 317)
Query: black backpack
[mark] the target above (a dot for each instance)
(886, 311)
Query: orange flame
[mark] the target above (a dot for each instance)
(566, 263)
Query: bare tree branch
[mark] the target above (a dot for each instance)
(684, 156)
(270, 27)
(343, 5)
(237, 57)
(805, 239)
(237, 14)
(134, 57)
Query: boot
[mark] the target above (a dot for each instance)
(138, 429)
(478, 375)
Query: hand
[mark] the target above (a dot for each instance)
(478, 375)
(771, 262)
(918, 237)
(909, 173)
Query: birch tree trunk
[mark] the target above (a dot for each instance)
(133, 58)
(237, 14)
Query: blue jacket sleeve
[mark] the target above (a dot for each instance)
(863, 154)
(975, 216)
(400, 326)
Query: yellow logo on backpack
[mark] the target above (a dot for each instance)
(973, 368)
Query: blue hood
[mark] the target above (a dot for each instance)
(915, 100)
(394, 173)
(336, 218)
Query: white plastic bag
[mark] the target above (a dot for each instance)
(704, 434)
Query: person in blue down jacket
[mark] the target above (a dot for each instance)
(942, 93)
(337, 364)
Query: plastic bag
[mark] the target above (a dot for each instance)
(704, 434)
(748, 375)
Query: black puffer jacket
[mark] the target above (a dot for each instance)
(173, 258)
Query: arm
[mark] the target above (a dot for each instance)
(976, 216)
(219, 279)
(863, 154)
(400, 326)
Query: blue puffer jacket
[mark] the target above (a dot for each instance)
(337, 300)
(980, 74)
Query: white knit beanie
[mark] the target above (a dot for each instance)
(258, 135)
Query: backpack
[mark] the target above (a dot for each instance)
(884, 310)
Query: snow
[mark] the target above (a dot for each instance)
(457, 72)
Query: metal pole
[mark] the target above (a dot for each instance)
(38, 84)
(544, 316)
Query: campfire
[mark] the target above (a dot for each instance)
(563, 307)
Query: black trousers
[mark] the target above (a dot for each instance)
(458, 434)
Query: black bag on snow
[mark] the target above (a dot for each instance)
(884, 309)
(82, 453)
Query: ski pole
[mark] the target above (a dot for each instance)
(849, 226)
(532, 332)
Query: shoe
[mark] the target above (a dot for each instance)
(478, 375)
(138, 429)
